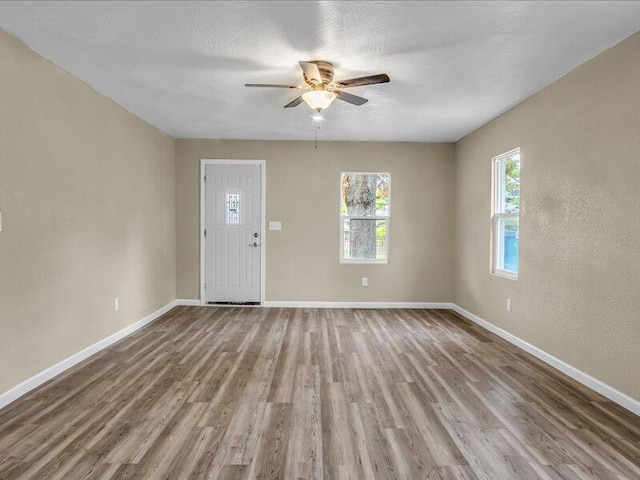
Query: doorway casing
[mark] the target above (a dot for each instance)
(263, 210)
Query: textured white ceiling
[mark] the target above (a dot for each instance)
(453, 65)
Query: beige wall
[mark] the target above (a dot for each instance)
(578, 294)
(87, 195)
(302, 193)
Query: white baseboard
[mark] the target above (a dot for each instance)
(188, 302)
(38, 379)
(602, 388)
(296, 304)
(441, 305)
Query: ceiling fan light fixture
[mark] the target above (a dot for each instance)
(320, 88)
(318, 99)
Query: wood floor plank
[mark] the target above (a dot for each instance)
(256, 393)
(304, 458)
(269, 461)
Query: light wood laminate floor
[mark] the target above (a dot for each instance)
(244, 393)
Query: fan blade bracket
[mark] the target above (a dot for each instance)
(311, 72)
(326, 71)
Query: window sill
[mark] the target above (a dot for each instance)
(364, 262)
(505, 274)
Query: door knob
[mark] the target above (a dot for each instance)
(254, 244)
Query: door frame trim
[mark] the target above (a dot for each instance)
(263, 214)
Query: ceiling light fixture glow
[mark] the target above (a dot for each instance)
(318, 98)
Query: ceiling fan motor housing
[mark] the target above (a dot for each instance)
(326, 70)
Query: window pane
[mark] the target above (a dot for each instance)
(511, 183)
(364, 194)
(232, 211)
(364, 239)
(507, 244)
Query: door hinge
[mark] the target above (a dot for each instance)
(205, 232)
(205, 286)
(205, 179)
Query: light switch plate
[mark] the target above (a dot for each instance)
(275, 225)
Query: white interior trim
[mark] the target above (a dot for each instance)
(602, 388)
(438, 305)
(263, 222)
(46, 375)
(188, 302)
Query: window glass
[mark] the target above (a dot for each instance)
(364, 217)
(506, 214)
(232, 211)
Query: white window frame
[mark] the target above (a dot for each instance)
(370, 217)
(498, 214)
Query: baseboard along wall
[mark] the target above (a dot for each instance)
(368, 305)
(602, 388)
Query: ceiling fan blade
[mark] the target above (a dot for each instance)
(311, 72)
(347, 97)
(294, 103)
(369, 80)
(268, 85)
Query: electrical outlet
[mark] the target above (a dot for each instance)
(508, 304)
(116, 304)
(365, 282)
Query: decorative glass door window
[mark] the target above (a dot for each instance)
(232, 209)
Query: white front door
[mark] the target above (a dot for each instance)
(232, 233)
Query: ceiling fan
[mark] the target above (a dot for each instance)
(322, 90)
